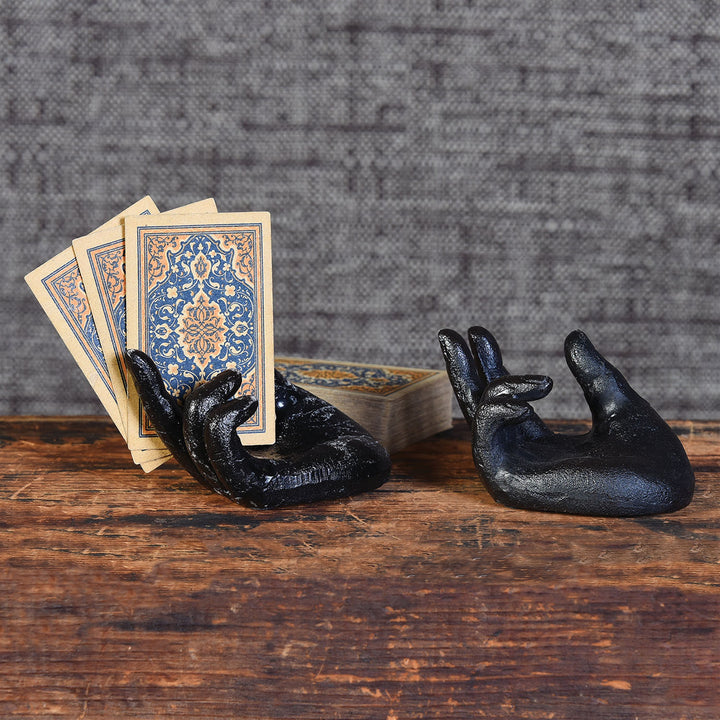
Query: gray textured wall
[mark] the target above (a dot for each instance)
(533, 166)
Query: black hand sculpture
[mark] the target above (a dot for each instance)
(630, 463)
(320, 453)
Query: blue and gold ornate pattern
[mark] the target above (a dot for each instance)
(370, 379)
(106, 262)
(108, 268)
(201, 306)
(66, 289)
(58, 286)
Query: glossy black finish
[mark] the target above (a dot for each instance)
(320, 453)
(630, 463)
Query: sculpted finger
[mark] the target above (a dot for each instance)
(198, 403)
(489, 418)
(518, 388)
(605, 388)
(462, 371)
(486, 352)
(235, 468)
(162, 409)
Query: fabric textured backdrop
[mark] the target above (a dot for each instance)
(529, 165)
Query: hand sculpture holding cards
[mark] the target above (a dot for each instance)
(185, 299)
(199, 301)
(216, 312)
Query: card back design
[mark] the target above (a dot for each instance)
(107, 264)
(203, 310)
(199, 302)
(65, 288)
(58, 286)
(101, 257)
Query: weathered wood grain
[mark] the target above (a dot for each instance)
(144, 596)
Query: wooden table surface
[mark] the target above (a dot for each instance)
(127, 595)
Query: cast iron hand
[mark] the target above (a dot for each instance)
(630, 463)
(320, 453)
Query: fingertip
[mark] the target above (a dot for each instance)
(229, 373)
(449, 339)
(582, 357)
(518, 388)
(478, 331)
(136, 358)
(205, 395)
(231, 414)
(486, 352)
(245, 404)
(458, 357)
(577, 334)
(482, 337)
(543, 384)
(142, 368)
(575, 342)
(604, 386)
(228, 381)
(462, 371)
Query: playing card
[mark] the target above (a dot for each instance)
(101, 257)
(58, 287)
(199, 301)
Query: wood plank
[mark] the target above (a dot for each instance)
(133, 595)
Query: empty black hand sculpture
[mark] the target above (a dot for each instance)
(630, 463)
(320, 453)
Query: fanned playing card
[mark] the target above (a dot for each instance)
(112, 237)
(58, 286)
(101, 257)
(199, 301)
(59, 289)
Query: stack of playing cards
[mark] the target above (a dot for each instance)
(190, 287)
(397, 405)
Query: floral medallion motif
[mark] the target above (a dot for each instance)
(202, 330)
